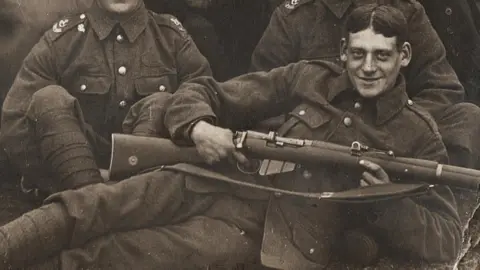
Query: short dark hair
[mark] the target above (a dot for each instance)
(383, 19)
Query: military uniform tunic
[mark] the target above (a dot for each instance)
(107, 65)
(312, 29)
(322, 105)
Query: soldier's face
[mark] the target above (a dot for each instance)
(373, 61)
(119, 6)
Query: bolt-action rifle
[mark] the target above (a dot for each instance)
(133, 154)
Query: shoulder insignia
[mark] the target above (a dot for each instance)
(177, 23)
(291, 5)
(66, 24)
(169, 21)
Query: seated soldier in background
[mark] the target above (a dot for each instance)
(458, 26)
(78, 84)
(178, 220)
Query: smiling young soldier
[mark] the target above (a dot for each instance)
(77, 86)
(367, 102)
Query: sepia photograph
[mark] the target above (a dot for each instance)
(239, 134)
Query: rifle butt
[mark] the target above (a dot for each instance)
(132, 155)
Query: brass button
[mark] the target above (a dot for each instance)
(448, 11)
(83, 87)
(312, 250)
(357, 105)
(450, 30)
(82, 16)
(122, 70)
(307, 174)
(162, 88)
(302, 112)
(410, 102)
(347, 121)
(123, 104)
(119, 38)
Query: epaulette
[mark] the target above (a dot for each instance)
(424, 115)
(66, 24)
(170, 21)
(327, 64)
(291, 5)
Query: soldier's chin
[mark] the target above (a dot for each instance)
(368, 92)
(121, 8)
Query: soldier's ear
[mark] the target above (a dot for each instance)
(343, 50)
(406, 54)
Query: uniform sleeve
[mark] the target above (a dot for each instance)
(432, 82)
(191, 62)
(37, 71)
(426, 227)
(278, 45)
(247, 98)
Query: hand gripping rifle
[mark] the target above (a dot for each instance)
(133, 154)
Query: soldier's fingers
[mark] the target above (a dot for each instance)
(376, 169)
(370, 165)
(363, 183)
(209, 155)
(221, 152)
(370, 179)
(240, 157)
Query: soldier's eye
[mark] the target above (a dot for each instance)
(383, 56)
(357, 54)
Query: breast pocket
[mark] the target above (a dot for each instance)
(93, 95)
(145, 86)
(307, 122)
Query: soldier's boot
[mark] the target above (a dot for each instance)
(34, 237)
(62, 143)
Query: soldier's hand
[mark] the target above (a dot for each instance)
(373, 174)
(215, 143)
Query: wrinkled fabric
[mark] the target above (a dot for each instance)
(106, 65)
(155, 221)
(322, 106)
(457, 24)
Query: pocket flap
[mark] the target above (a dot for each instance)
(313, 117)
(149, 85)
(91, 85)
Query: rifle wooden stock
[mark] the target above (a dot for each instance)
(133, 154)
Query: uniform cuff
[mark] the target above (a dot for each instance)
(186, 131)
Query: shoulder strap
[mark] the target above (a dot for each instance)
(66, 24)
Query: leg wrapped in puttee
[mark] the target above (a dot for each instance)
(54, 153)
(150, 219)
